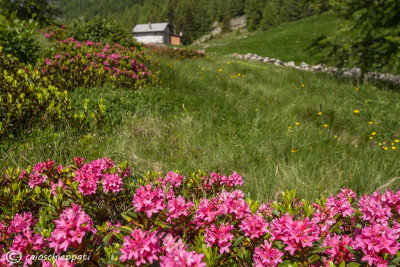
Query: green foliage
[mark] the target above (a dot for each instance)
(368, 38)
(254, 14)
(270, 16)
(18, 38)
(176, 53)
(99, 30)
(42, 11)
(188, 26)
(193, 18)
(226, 24)
(33, 93)
(26, 97)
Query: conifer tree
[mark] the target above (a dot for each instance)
(270, 16)
(188, 24)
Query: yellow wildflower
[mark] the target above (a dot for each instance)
(356, 111)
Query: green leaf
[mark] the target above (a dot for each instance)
(237, 241)
(319, 250)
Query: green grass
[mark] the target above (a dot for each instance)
(287, 42)
(200, 117)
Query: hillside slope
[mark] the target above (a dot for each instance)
(287, 42)
(280, 128)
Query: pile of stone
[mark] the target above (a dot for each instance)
(345, 72)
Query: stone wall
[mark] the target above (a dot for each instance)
(345, 72)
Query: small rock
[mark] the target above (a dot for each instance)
(290, 64)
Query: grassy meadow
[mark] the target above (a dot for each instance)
(287, 42)
(280, 128)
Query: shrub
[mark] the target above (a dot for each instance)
(73, 64)
(101, 30)
(17, 39)
(121, 219)
(178, 53)
(32, 94)
(26, 97)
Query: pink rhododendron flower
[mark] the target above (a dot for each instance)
(339, 252)
(347, 193)
(220, 236)
(266, 255)
(36, 179)
(148, 200)
(20, 223)
(233, 203)
(265, 210)
(375, 241)
(89, 174)
(70, 229)
(26, 243)
(233, 180)
(140, 246)
(391, 200)
(182, 258)
(254, 226)
(178, 207)
(170, 243)
(207, 211)
(173, 178)
(339, 205)
(373, 209)
(295, 234)
(54, 187)
(112, 182)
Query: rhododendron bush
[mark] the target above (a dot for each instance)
(29, 94)
(105, 210)
(73, 64)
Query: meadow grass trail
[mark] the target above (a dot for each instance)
(280, 128)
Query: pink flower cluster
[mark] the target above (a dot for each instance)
(140, 246)
(220, 236)
(375, 241)
(89, 176)
(254, 226)
(295, 234)
(228, 203)
(266, 255)
(149, 200)
(173, 178)
(172, 227)
(177, 207)
(70, 229)
(215, 179)
(177, 255)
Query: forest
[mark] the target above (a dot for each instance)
(194, 18)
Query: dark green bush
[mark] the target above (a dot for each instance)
(17, 39)
(100, 30)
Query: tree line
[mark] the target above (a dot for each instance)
(193, 17)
